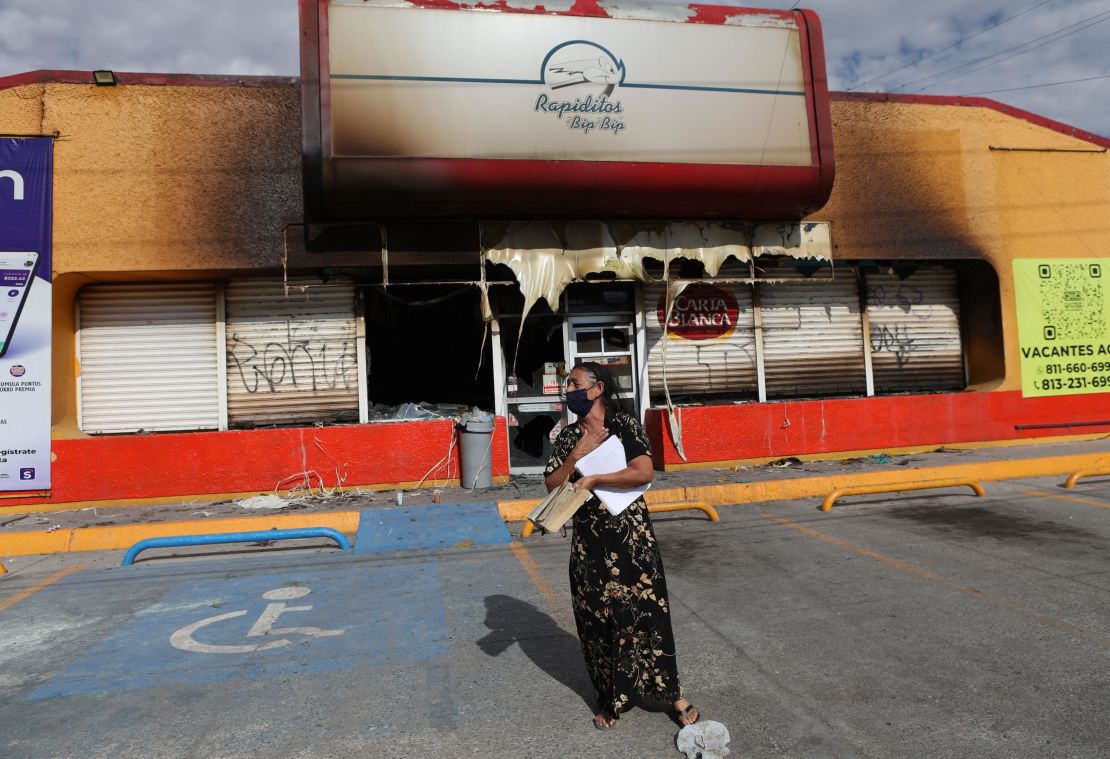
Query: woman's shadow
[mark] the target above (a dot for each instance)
(552, 649)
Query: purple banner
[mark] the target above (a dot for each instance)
(26, 183)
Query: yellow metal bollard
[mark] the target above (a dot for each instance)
(1084, 473)
(836, 495)
(708, 510)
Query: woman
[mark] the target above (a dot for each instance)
(616, 572)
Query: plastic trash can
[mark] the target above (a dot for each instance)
(476, 449)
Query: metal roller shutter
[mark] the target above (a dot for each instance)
(915, 331)
(291, 359)
(812, 334)
(149, 358)
(702, 364)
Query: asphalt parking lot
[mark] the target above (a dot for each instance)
(927, 625)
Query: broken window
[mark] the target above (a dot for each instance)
(427, 343)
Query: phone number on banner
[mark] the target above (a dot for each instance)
(1097, 382)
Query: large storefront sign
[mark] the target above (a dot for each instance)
(1063, 315)
(26, 175)
(429, 110)
(413, 82)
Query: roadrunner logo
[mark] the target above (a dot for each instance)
(582, 67)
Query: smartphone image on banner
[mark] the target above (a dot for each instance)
(17, 271)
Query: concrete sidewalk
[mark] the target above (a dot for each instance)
(109, 528)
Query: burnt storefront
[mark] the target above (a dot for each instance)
(453, 206)
(595, 187)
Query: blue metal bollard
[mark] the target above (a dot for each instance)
(234, 537)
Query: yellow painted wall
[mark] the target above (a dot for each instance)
(179, 182)
(920, 181)
(191, 181)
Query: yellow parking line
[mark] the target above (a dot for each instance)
(1062, 497)
(9, 602)
(1057, 624)
(556, 606)
(550, 596)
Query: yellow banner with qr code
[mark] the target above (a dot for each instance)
(1063, 317)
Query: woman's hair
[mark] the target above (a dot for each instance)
(601, 373)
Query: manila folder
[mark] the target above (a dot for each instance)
(558, 507)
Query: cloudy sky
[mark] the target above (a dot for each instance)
(944, 47)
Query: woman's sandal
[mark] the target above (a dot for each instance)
(681, 715)
(601, 716)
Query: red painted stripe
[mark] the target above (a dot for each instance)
(427, 187)
(790, 428)
(720, 14)
(701, 13)
(817, 106)
(183, 464)
(187, 464)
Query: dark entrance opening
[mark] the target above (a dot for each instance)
(427, 343)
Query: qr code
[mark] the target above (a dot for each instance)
(1073, 300)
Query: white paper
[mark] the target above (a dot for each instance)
(606, 459)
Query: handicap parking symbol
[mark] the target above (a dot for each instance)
(212, 628)
(185, 639)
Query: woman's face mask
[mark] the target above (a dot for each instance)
(578, 401)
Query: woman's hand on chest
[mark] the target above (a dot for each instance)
(589, 441)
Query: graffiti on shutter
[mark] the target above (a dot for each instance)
(915, 330)
(291, 359)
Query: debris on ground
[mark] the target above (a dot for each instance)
(264, 501)
(96, 513)
(785, 462)
(419, 410)
(878, 458)
(705, 739)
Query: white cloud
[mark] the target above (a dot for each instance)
(167, 36)
(863, 39)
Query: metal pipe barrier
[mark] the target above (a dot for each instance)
(234, 537)
(839, 493)
(654, 508)
(1080, 474)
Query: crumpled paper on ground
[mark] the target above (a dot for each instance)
(705, 739)
(264, 501)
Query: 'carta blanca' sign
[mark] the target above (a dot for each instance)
(700, 312)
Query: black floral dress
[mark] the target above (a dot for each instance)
(619, 591)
